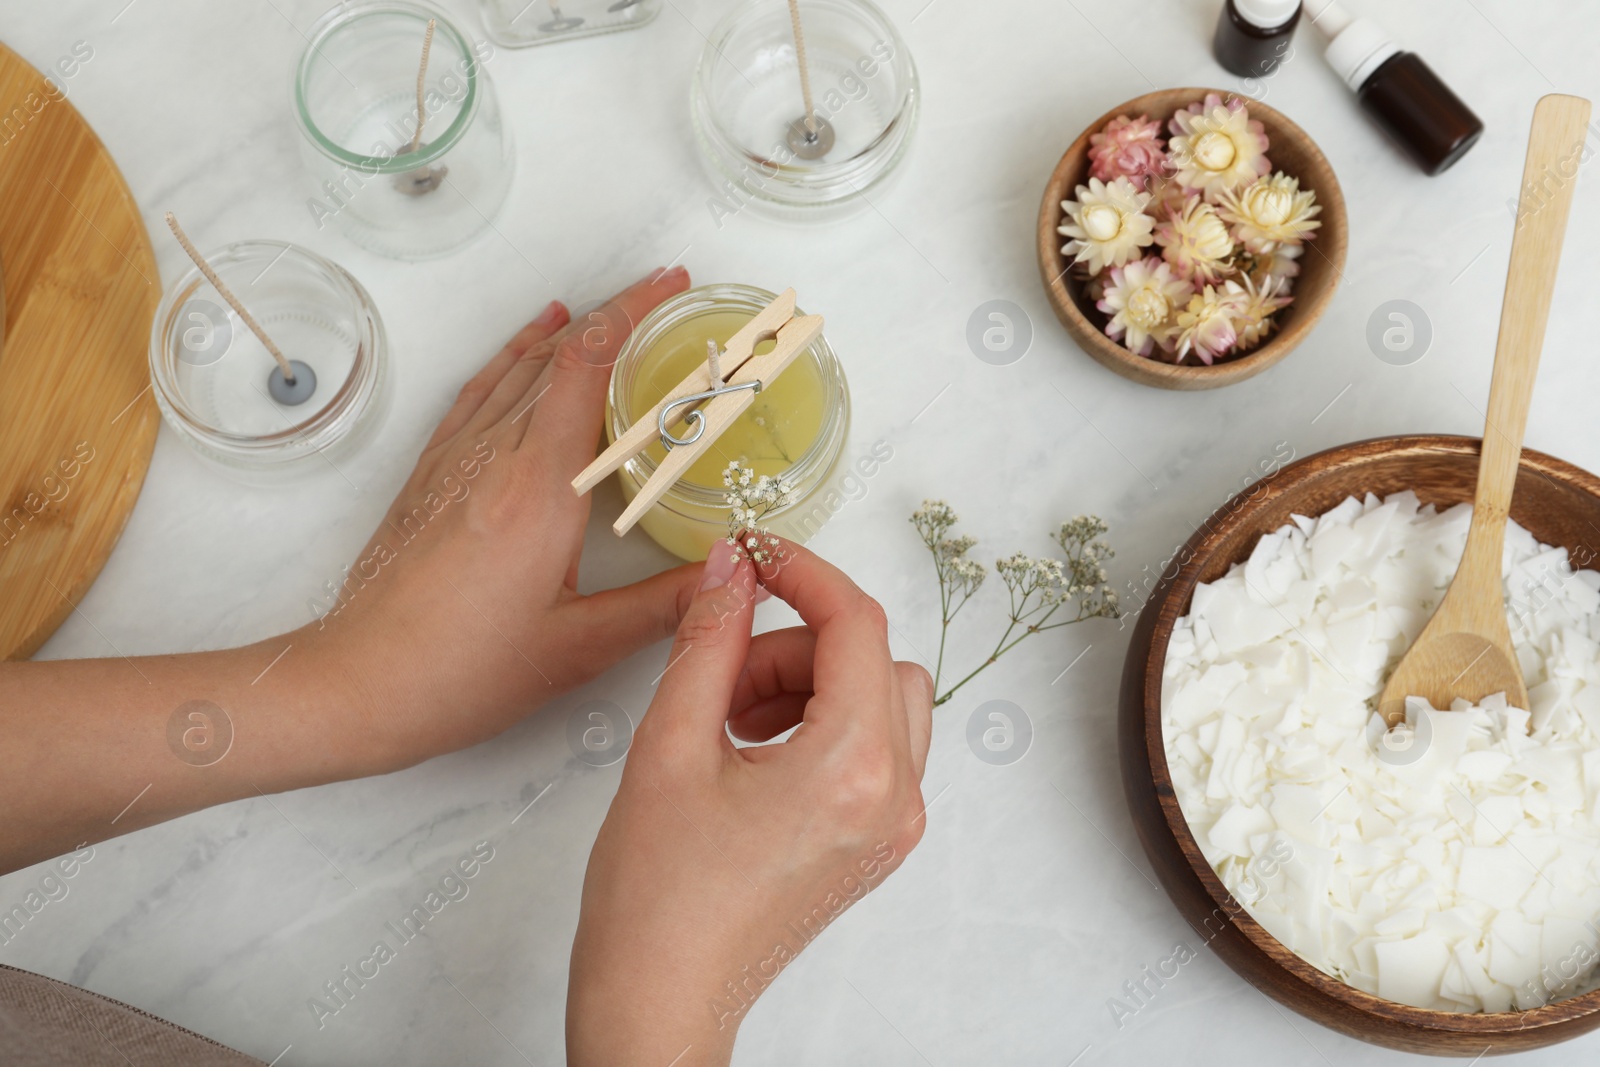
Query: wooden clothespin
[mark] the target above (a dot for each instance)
(705, 405)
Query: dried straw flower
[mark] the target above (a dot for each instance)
(1217, 146)
(1195, 241)
(1270, 270)
(1270, 212)
(1128, 148)
(1141, 301)
(1108, 225)
(1208, 326)
(1229, 231)
(1257, 312)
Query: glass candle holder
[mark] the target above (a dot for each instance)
(210, 373)
(355, 99)
(518, 23)
(796, 427)
(746, 96)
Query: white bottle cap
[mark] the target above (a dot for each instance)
(1329, 16)
(1356, 46)
(1360, 49)
(1266, 14)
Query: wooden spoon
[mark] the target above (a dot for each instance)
(1465, 650)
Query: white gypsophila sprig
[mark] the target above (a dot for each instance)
(959, 576)
(962, 576)
(933, 520)
(750, 500)
(1080, 539)
(1038, 587)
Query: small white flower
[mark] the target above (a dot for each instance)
(750, 500)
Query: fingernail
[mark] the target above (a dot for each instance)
(551, 314)
(720, 565)
(676, 274)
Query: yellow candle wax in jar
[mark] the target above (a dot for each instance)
(795, 426)
(776, 429)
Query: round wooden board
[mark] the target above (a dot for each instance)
(77, 421)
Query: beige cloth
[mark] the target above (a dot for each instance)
(46, 1023)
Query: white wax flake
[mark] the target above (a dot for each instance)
(1451, 864)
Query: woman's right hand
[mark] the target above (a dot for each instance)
(717, 865)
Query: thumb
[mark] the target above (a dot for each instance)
(637, 615)
(708, 655)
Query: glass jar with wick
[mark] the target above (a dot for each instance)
(401, 129)
(225, 394)
(806, 110)
(519, 23)
(796, 427)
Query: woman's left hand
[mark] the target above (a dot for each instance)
(471, 617)
(460, 617)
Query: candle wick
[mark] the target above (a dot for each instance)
(422, 72)
(805, 73)
(227, 294)
(714, 358)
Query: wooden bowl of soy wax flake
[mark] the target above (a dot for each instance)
(1555, 501)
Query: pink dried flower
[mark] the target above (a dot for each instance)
(1199, 107)
(1209, 325)
(1128, 148)
(1195, 241)
(1141, 302)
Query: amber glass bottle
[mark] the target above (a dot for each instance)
(1253, 35)
(1401, 92)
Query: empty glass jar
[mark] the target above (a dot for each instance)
(746, 98)
(355, 99)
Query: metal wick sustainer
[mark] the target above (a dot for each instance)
(696, 421)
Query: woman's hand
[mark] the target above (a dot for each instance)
(460, 617)
(462, 614)
(717, 865)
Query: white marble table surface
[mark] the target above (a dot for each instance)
(1029, 902)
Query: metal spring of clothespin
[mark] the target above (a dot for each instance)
(712, 402)
(694, 418)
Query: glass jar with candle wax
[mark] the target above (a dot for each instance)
(796, 427)
(391, 189)
(518, 23)
(746, 100)
(210, 373)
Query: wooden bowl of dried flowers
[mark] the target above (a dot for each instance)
(1188, 239)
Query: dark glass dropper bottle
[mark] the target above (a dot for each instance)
(1401, 92)
(1253, 35)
